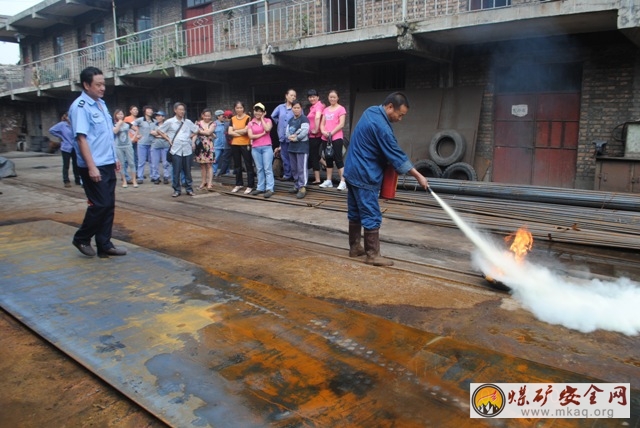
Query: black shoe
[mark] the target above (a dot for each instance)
(113, 251)
(256, 192)
(165, 181)
(140, 181)
(85, 249)
(294, 190)
(268, 194)
(129, 182)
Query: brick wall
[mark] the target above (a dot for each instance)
(610, 96)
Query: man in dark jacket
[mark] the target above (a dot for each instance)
(373, 145)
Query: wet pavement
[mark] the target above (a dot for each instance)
(271, 319)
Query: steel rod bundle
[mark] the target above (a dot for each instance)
(589, 224)
(554, 195)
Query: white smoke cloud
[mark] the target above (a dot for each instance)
(581, 304)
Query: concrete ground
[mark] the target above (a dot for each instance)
(287, 244)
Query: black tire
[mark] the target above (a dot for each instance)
(440, 150)
(460, 171)
(428, 168)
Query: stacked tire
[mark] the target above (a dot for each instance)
(448, 162)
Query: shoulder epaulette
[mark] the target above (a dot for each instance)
(81, 103)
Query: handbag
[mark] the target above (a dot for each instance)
(328, 150)
(199, 147)
(169, 155)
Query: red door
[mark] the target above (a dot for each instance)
(513, 149)
(199, 31)
(536, 139)
(556, 140)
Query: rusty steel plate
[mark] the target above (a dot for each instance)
(199, 348)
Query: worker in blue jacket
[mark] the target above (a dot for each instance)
(373, 145)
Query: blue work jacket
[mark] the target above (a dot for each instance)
(371, 148)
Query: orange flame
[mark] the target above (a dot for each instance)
(521, 243)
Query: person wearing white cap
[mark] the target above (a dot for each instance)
(220, 140)
(159, 148)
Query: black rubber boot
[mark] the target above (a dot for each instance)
(355, 236)
(372, 249)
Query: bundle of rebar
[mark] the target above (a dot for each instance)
(594, 222)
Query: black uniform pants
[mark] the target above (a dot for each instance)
(101, 197)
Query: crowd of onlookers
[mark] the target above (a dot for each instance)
(104, 145)
(309, 136)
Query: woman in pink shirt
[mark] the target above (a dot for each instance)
(315, 140)
(333, 120)
(261, 151)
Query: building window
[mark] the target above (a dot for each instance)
(258, 11)
(195, 3)
(143, 19)
(97, 32)
(143, 22)
(35, 52)
(97, 37)
(488, 4)
(58, 45)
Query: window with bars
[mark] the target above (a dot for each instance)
(488, 4)
(195, 3)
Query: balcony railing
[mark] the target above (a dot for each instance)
(249, 25)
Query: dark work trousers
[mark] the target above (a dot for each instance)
(284, 155)
(314, 153)
(182, 165)
(225, 160)
(101, 196)
(70, 157)
(241, 153)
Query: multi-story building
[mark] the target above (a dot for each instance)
(525, 91)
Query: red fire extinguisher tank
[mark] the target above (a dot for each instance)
(389, 183)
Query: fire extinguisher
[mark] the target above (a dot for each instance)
(389, 183)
